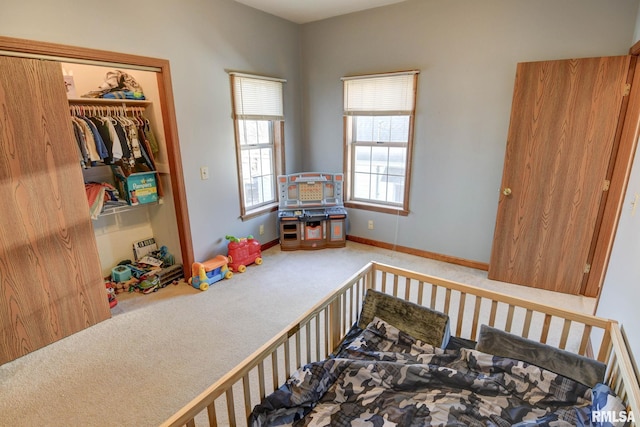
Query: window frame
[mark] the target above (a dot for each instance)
(276, 130)
(349, 148)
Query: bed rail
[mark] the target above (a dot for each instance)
(229, 401)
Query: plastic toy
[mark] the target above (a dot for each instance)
(125, 286)
(120, 273)
(243, 252)
(207, 273)
(111, 294)
(163, 255)
(147, 285)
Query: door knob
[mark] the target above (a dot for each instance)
(506, 191)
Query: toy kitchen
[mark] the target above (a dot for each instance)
(311, 212)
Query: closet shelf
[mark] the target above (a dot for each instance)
(104, 101)
(125, 208)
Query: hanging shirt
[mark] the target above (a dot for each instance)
(124, 142)
(131, 135)
(100, 145)
(94, 156)
(148, 133)
(81, 143)
(103, 130)
(117, 147)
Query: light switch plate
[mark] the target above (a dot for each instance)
(204, 172)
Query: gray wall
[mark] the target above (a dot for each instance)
(621, 293)
(201, 39)
(467, 52)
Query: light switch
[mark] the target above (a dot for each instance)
(204, 172)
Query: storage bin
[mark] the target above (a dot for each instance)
(120, 273)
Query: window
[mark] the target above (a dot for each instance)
(259, 128)
(379, 114)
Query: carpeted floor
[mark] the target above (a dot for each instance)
(158, 351)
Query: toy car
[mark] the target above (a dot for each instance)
(243, 252)
(209, 272)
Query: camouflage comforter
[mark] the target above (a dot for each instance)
(383, 377)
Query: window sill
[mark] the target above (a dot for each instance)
(377, 208)
(271, 207)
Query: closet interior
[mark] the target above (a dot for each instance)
(121, 223)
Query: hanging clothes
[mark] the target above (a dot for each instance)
(149, 136)
(110, 136)
(83, 153)
(103, 130)
(114, 136)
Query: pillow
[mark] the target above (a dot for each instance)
(457, 343)
(429, 326)
(578, 368)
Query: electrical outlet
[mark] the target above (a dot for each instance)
(261, 229)
(370, 225)
(204, 173)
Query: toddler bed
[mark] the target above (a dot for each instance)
(370, 354)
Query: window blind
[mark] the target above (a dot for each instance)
(257, 99)
(379, 94)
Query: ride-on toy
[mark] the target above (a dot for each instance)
(204, 274)
(243, 252)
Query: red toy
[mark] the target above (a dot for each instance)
(111, 294)
(243, 252)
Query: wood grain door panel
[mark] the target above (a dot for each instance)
(50, 278)
(563, 125)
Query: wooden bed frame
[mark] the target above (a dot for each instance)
(317, 333)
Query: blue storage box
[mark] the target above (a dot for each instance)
(120, 273)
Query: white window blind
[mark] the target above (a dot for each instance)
(380, 94)
(257, 99)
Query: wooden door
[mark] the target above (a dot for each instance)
(561, 137)
(50, 275)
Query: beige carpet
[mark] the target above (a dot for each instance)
(158, 351)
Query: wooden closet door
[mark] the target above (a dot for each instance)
(563, 126)
(50, 276)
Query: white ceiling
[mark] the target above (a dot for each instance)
(303, 11)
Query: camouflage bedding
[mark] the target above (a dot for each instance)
(383, 377)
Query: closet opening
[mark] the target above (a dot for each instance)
(118, 224)
(117, 228)
(53, 283)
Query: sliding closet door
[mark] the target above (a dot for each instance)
(560, 144)
(50, 278)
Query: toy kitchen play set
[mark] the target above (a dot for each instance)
(311, 212)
